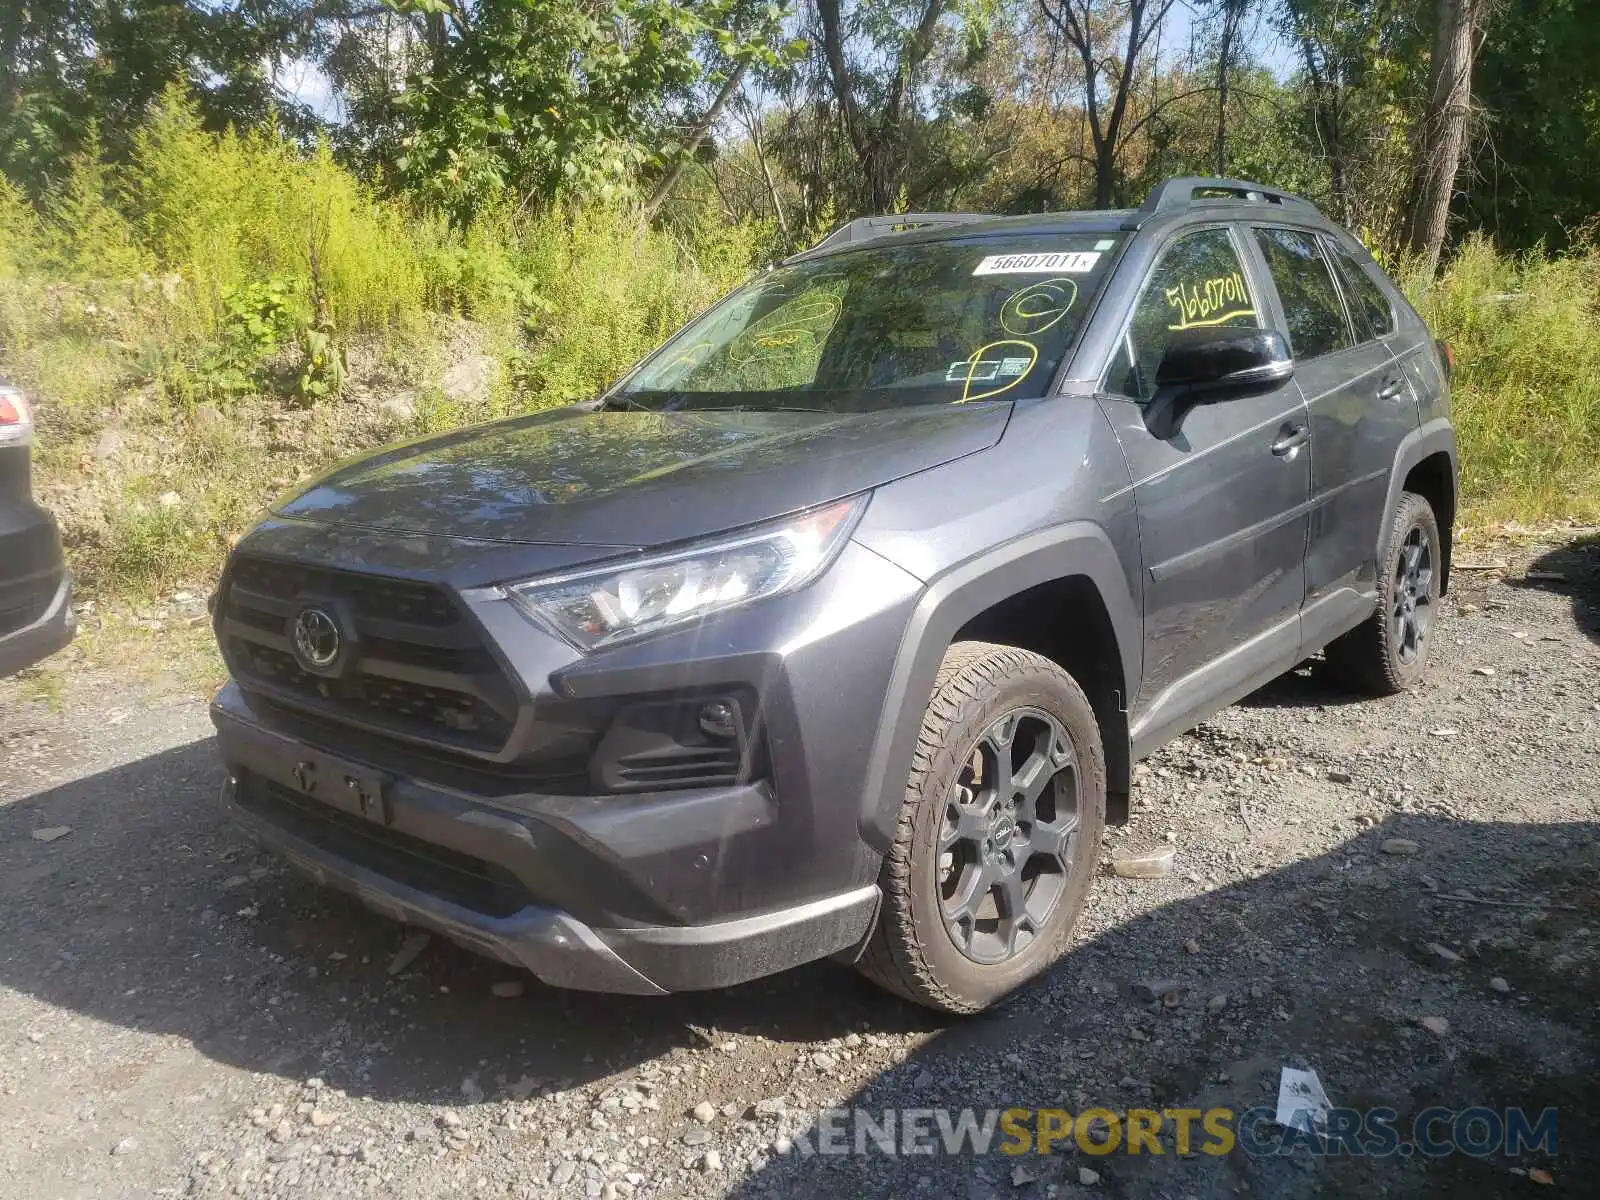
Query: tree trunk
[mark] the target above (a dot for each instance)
(1232, 14)
(663, 189)
(1105, 171)
(1443, 136)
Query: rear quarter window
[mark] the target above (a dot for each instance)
(1370, 305)
(1312, 309)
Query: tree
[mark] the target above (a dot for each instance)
(879, 137)
(1442, 139)
(67, 66)
(1357, 97)
(1535, 173)
(1110, 38)
(521, 98)
(1229, 20)
(738, 37)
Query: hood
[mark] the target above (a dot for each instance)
(634, 479)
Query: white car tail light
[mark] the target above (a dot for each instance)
(16, 419)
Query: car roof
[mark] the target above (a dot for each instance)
(912, 229)
(1175, 201)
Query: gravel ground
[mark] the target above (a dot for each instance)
(182, 1017)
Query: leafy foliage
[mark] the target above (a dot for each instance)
(525, 98)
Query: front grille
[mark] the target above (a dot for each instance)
(420, 672)
(461, 879)
(389, 599)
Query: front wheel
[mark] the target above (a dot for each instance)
(998, 834)
(1388, 653)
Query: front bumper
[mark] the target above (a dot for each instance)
(530, 880)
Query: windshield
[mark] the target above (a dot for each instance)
(943, 322)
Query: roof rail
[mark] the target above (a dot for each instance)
(864, 228)
(1177, 194)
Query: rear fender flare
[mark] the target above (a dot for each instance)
(1432, 438)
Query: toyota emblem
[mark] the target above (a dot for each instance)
(317, 640)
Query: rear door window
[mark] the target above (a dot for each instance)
(1312, 309)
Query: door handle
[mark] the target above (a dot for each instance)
(1290, 441)
(1390, 389)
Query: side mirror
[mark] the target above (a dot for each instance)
(1203, 366)
(1215, 364)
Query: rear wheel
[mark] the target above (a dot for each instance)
(1388, 653)
(998, 833)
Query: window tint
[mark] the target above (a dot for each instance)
(1370, 306)
(1198, 282)
(1311, 305)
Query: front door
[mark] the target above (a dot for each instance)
(1222, 501)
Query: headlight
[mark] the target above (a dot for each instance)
(620, 603)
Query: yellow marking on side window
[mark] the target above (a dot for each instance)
(1213, 301)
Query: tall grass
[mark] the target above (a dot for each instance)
(1526, 335)
(164, 313)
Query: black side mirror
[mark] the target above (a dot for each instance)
(1203, 366)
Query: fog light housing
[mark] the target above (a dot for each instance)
(719, 719)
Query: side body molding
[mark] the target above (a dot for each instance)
(1078, 548)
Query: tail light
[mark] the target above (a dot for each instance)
(16, 419)
(1448, 357)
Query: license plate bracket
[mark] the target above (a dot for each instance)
(326, 778)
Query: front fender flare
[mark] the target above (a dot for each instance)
(1078, 548)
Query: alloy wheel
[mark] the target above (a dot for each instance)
(1008, 837)
(1412, 614)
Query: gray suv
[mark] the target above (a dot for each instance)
(836, 627)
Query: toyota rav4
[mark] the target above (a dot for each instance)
(835, 627)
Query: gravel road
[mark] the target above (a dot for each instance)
(182, 1017)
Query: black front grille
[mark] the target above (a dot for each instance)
(419, 671)
(388, 599)
(472, 883)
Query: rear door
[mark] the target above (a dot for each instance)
(1221, 502)
(1360, 406)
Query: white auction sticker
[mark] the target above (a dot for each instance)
(1072, 262)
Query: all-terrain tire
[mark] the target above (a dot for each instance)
(912, 952)
(1374, 658)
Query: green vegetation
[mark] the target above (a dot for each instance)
(224, 315)
(215, 286)
(1526, 334)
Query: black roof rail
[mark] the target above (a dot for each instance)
(864, 228)
(1177, 194)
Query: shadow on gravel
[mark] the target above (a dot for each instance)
(154, 915)
(1325, 963)
(1573, 571)
(1310, 685)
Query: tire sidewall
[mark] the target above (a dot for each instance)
(1058, 696)
(1414, 511)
